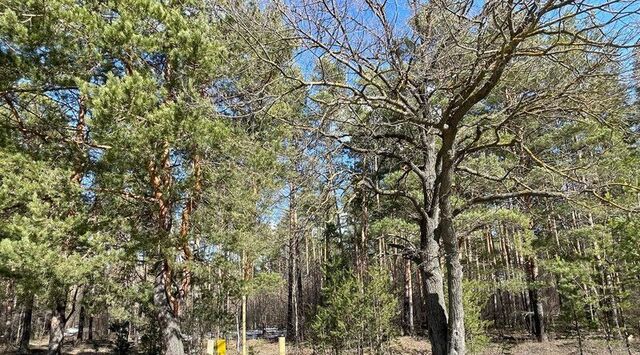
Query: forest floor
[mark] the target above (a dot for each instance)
(420, 346)
(400, 346)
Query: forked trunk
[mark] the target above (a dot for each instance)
(429, 263)
(171, 335)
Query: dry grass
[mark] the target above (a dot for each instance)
(39, 346)
(420, 346)
(561, 346)
(399, 346)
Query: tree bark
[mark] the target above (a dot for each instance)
(408, 296)
(244, 325)
(25, 335)
(432, 283)
(362, 262)
(56, 330)
(446, 233)
(81, 319)
(536, 304)
(456, 334)
(90, 333)
(429, 258)
(171, 334)
(294, 290)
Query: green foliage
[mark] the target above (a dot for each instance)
(355, 314)
(474, 299)
(45, 242)
(151, 340)
(121, 330)
(128, 97)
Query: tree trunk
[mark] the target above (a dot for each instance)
(11, 317)
(536, 304)
(446, 233)
(293, 294)
(294, 289)
(81, 319)
(90, 335)
(244, 325)
(25, 335)
(171, 335)
(408, 296)
(429, 258)
(361, 244)
(56, 330)
(432, 283)
(456, 335)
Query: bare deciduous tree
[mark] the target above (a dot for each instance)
(426, 85)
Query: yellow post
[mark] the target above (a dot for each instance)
(221, 347)
(281, 344)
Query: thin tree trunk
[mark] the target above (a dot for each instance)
(25, 335)
(408, 294)
(294, 330)
(171, 335)
(577, 327)
(81, 320)
(90, 334)
(300, 307)
(361, 250)
(536, 304)
(244, 325)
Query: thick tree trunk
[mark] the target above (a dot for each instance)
(429, 259)
(432, 283)
(56, 330)
(446, 233)
(171, 335)
(456, 344)
(25, 335)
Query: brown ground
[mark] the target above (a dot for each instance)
(400, 346)
(40, 347)
(420, 346)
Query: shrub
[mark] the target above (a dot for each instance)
(354, 314)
